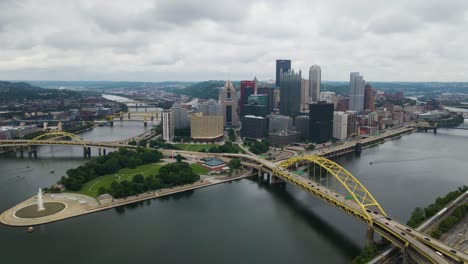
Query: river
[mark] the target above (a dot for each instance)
(243, 221)
(132, 105)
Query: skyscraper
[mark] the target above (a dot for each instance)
(268, 92)
(321, 122)
(305, 97)
(281, 65)
(247, 88)
(315, 78)
(369, 98)
(340, 125)
(290, 93)
(228, 101)
(356, 92)
(168, 124)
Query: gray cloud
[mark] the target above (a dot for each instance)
(153, 40)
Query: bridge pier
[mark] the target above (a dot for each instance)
(86, 152)
(276, 180)
(104, 152)
(405, 255)
(21, 152)
(121, 118)
(145, 124)
(152, 118)
(111, 123)
(99, 152)
(369, 236)
(435, 130)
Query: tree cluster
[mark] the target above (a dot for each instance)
(227, 147)
(124, 158)
(419, 215)
(170, 175)
(456, 216)
(259, 147)
(231, 135)
(160, 143)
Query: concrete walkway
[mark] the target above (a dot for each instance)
(78, 204)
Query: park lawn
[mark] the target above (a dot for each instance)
(194, 147)
(91, 188)
(198, 169)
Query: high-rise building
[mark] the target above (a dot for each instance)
(290, 93)
(210, 108)
(228, 101)
(301, 124)
(284, 66)
(315, 78)
(258, 99)
(255, 127)
(206, 127)
(253, 109)
(305, 94)
(369, 98)
(340, 125)
(247, 88)
(168, 124)
(356, 92)
(321, 122)
(279, 123)
(352, 124)
(268, 91)
(276, 98)
(180, 117)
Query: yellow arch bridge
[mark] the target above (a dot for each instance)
(60, 138)
(334, 184)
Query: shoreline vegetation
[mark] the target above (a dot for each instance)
(420, 215)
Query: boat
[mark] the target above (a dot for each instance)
(52, 171)
(30, 229)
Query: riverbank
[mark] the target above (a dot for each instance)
(77, 204)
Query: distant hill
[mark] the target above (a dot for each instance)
(204, 90)
(15, 91)
(105, 85)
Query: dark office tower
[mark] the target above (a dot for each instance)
(321, 122)
(268, 92)
(284, 65)
(247, 88)
(290, 93)
(369, 98)
(255, 127)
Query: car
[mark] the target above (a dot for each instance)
(310, 183)
(386, 223)
(427, 239)
(408, 230)
(369, 211)
(337, 195)
(403, 233)
(453, 251)
(375, 212)
(388, 218)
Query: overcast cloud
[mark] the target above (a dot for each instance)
(186, 40)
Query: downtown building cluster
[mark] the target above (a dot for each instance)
(289, 110)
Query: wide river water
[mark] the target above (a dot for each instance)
(239, 222)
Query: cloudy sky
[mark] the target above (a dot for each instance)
(185, 40)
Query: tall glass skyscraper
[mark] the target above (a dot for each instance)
(356, 92)
(315, 78)
(290, 93)
(284, 65)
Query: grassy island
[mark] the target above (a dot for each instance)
(128, 172)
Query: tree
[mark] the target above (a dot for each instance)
(138, 178)
(102, 190)
(234, 164)
(179, 158)
(231, 135)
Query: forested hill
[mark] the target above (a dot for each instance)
(204, 90)
(13, 91)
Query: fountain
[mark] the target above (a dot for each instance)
(40, 203)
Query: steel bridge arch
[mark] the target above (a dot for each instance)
(353, 186)
(58, 134)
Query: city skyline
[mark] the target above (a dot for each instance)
(155, 40)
